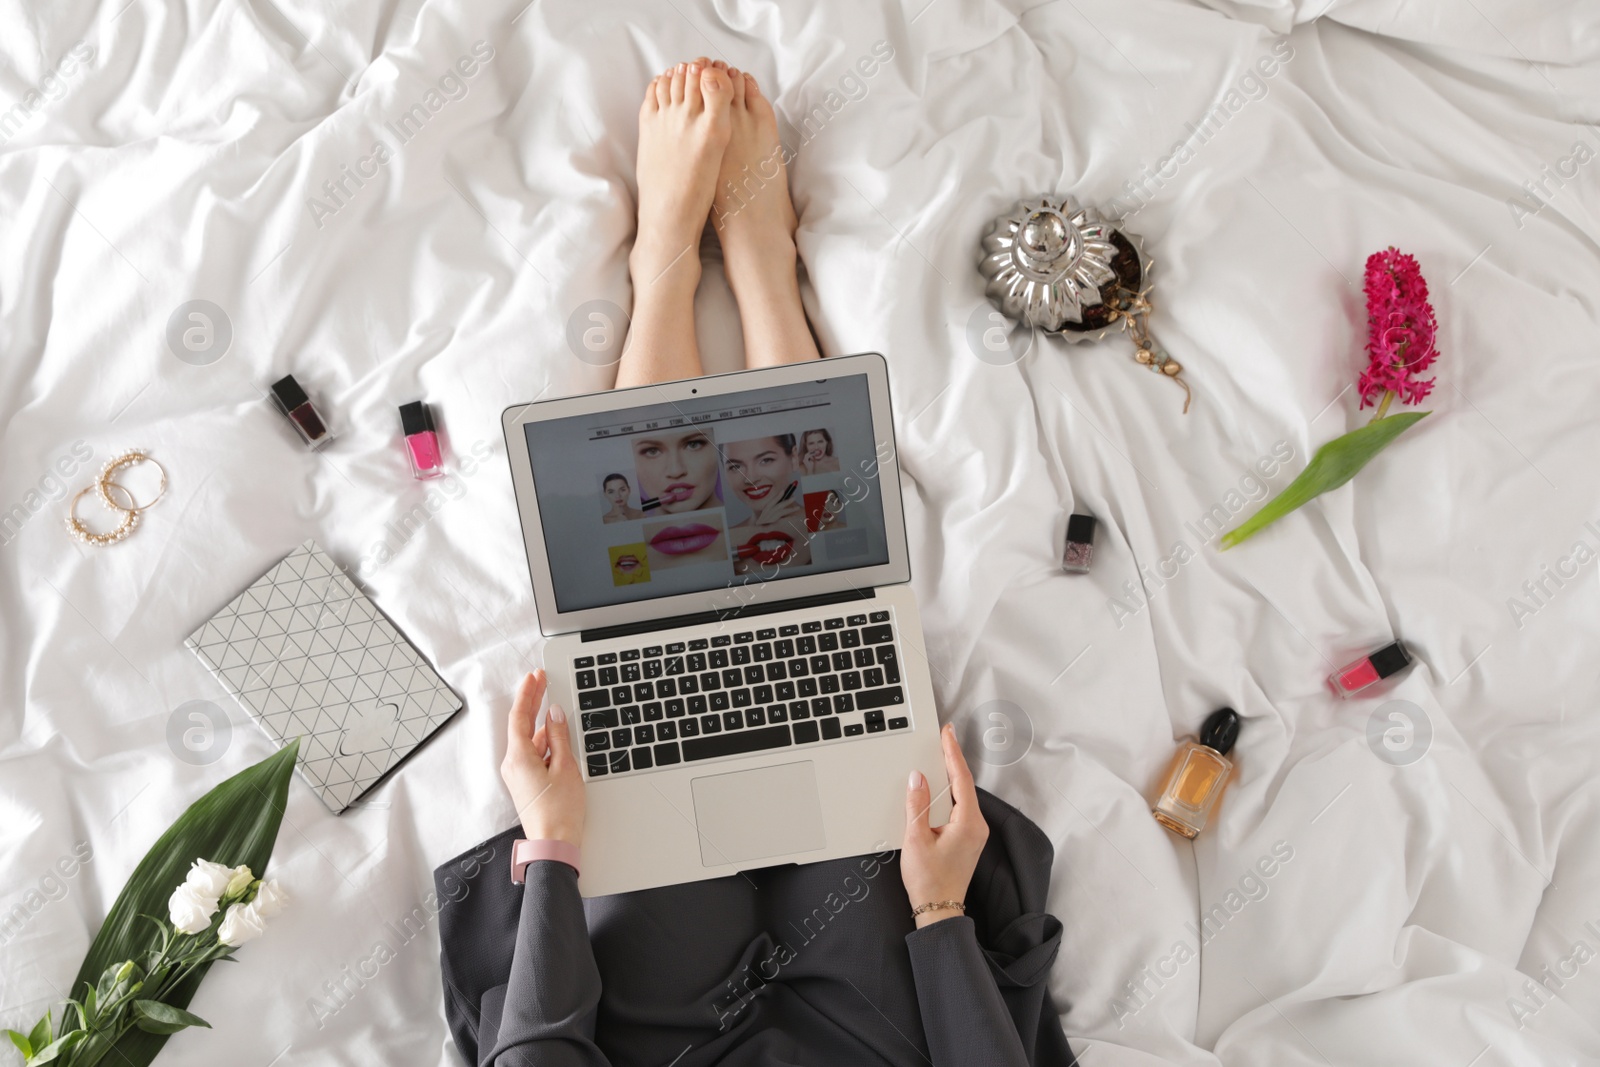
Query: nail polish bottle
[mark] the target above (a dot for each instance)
(1198, 775)
(1080, 544)
(422, 443)
(303, 415)
(1352, 678)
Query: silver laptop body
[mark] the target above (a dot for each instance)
(720, 566)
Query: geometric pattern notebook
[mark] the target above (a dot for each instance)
(309, 656)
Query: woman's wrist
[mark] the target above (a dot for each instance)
(937, 910)
(928, 918)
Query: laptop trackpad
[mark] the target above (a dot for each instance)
(750, 815)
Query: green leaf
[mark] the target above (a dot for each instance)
(56, 1048)
(87, 1010)
(1333, 464)
(154, 1017)
(236, 822)
(24, 1046)
(41, 1033)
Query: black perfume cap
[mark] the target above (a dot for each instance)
(1390, 659)
(1220, 731)
(415, 418)
(1080, 528)
(288, 392)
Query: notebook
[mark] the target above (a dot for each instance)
(309, 656)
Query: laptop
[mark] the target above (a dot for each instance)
(720, 566)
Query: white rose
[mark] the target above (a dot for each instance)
(270, 899)
(190, 910)
(209, 879)
(242, 923)
(239, 882)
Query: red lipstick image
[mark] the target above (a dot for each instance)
(768, 547)
(682, 540)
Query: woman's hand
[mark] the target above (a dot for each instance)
(540, 770)
(937, 864)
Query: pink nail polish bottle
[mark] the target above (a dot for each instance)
(1352, 678)
(422, 442)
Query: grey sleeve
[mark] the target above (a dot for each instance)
(550, 1003)
(965, 1020)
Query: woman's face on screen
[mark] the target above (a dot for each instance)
(679, 469)
(759, 470)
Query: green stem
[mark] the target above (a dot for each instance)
(1383, 405)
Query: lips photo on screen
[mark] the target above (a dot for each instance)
(770, 551)
(630, 564)
(699, 538)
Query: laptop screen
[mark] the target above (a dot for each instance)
(685, 497)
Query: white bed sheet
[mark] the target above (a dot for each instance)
(1409, 908)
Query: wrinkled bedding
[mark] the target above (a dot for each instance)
(396, 201)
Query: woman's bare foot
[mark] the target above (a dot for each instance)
(753, 213)
(683, 134)
(756, 223)
(683, 130)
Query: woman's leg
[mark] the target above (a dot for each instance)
(756, 222)
(683, 130)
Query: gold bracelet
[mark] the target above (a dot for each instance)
(936, 905)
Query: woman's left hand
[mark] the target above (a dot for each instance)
(540, 770)
(937, 863)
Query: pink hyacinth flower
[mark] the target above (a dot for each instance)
(1400, 329)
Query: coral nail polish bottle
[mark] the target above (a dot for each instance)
(1352, 678)
(302, 413)
(422, 441)
(1198, 776)
(1080, 544)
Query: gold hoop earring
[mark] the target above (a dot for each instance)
(117, 463)
(130, 519)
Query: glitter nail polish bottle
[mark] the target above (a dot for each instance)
(1080, 544)
(1198, 776)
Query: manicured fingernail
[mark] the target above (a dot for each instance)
(916, 780)
(556, 714)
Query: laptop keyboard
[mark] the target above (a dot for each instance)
(738, 692)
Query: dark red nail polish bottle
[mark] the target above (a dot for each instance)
(303, 415)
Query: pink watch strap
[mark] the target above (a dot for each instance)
(525, 852)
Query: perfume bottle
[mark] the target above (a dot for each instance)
(1080, 544)
(422, 441)
(303, 415)
(1198, 775)
(1352, 678)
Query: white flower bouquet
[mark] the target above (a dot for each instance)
(141, 971)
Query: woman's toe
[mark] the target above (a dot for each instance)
(678, 74)
(663, 90)
(716, 87)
